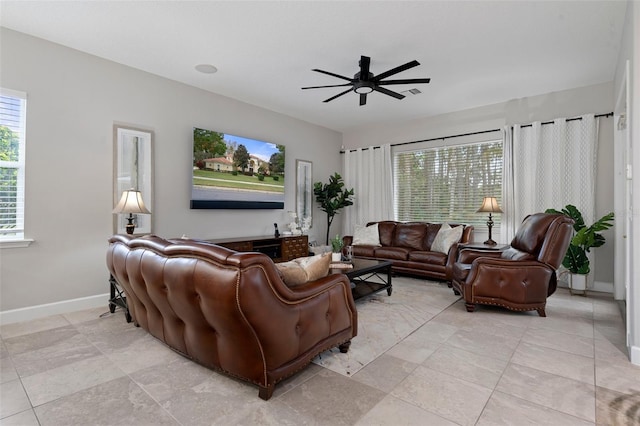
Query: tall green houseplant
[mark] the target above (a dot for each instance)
(585, 238)
(332, 197)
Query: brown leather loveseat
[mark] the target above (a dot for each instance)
(231, 311)
(408, 245)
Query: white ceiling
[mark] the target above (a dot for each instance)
(476, 52)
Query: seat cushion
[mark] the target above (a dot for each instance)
(515, 254)
(364, 251)
(392, 253)
(431, 257)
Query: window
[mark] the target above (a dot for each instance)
(12, 142)
(447, 184)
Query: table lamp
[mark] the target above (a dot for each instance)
(489, 205)
(131, 202)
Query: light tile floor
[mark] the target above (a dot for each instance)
(484, 368)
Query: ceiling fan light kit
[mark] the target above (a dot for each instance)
(365, 82)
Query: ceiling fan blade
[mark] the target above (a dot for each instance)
(396, 70)
(407, 81)
(337, 96)
(332, 74)
(365, 62)
(388, 92)
(333, 85)
(363, 99)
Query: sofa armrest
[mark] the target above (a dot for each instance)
(294, 321)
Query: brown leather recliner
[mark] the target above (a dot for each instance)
(521, 277)
(231, 311)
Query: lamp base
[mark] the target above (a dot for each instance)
(490, 242)
(130, 226)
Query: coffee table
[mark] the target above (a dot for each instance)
(367, 276)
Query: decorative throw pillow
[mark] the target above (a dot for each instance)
(303, 269)
(366, 235)
(316, 266)
(292, 273)
(446, 237)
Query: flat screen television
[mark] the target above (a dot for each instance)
(234, 172)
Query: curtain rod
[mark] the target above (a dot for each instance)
(430, 140)
(609, 114)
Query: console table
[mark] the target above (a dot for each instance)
(117, 298)
(281, 249)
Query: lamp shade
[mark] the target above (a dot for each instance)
(131, 202)
(489, 205)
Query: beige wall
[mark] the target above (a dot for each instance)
(74, 99)
(569, 103)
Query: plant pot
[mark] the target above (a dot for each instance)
(578, 283)
(336, 257)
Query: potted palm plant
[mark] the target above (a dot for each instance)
(336, 247)
(332, 197)
(585, 238)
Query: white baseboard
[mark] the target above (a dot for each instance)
(598, 286)
(41, 311)
(634, 355)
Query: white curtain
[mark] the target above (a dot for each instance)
(369, 172)
(509, 222)
(554, 165)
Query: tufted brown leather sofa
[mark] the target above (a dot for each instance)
(230, 311)
(407, 245)
(521, 277)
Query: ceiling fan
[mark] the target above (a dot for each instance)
(364, 82)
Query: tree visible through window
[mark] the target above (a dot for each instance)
(447, 184)
(12, 129)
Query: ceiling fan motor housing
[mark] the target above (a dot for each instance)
(363, 85)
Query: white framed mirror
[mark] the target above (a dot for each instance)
(304, 192)
(133, 169)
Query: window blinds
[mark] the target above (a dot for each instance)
(447, 184)
(12, 142)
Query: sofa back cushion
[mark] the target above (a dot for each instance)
(386, 230)
(410, 235)
(545, 237)
(430, 234)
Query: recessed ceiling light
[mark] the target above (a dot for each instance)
(206, 69)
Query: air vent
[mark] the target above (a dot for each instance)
(411, 92)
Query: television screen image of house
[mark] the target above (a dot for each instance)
(234, 168)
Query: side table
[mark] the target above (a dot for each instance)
(117, 298)
(482, 246)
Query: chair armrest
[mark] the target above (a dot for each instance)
(468, 255)
(487, 273)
